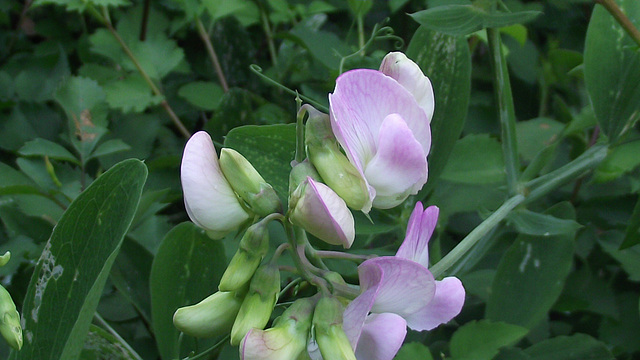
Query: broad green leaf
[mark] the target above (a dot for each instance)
(531, 275)
(619, 161)
(109, 147)
(632, 235)
(324, 46)
(40, 76)
(68, 279)
(446, 60)
(42, 147)
(79, 94)
(270, 149)
(130, 275)
(460, 20)
(532, 223)
(612, 70)
(81, 5)
(205, 95)
(629, 258)
(186, 269)
(131, 94)
(475, 159)
(575, 347)
(482, 339)
(536, 134)
(100, 345)
(413, 351)
(12, 177)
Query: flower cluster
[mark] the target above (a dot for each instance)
(370, 151)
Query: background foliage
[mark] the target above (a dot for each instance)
(85, 85)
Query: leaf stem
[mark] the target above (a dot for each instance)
(621, 18)
(204, 35)
(506, 112)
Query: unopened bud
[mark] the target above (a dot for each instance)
(248, 184)
(253, 247)
(328, 330)
(334, 167)
(9, 320)
(213, 316)
(300, 173)
(258, 304)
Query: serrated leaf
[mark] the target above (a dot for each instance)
(575, 347)
(186, 269)
(131, 94)
(531, 275)
(42, 147)
(475, 159)
(270, 149)
(612, 70)
(68, 279)
(221, 8)
(480, 340)
(532, 223)
(110, 147)
(158, 55)
(79, 94)
(461, 20)
(205, 95)
(446, 60)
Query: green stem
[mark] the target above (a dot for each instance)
(506, 110)
(325, 254)
(621, 18)
(204, 35)
(209, 350)
(115, 334)
(361, 34)
(174, 118)
(269, 36)
(300, 152)
(258, 71)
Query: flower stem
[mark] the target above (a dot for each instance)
(621, 18)
(325, 254)
(204, 35)
(506, 112)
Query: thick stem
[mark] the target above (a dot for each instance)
(621, 18)
(506, 112)
(204, 35)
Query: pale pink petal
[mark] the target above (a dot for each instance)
(356, 312)
(208, 197)
(404, 287)
(409, 75)
(399, 167)
(324, 214)
(446, 304)
(382, 336)
(419, 231)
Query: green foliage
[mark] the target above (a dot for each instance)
(482, 339)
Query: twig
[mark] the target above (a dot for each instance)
(204, 35)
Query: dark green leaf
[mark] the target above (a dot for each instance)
(532, 223)
(68, 279)
(632, 235)
(536, 134)
(186, 269)
(101, 345)
(475, 159)
(482, 340)
(460, 20)
(77, 95)
(205, 95)
(131, 94)
(130, 275)
(575, 347)
(612, 70)
(446, 60)
(629, 258)
(619, 161)
(332, 49)
(413, 351)
(531, 275)
(109, 147)
(270, 149)
(42, 147)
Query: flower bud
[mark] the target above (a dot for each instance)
(287, 339)
(258, 304)
(321, 212)
(248, 184)
(300, 173)
(329, 334)
(334, 167)
(211, 317)
(9, 320)
(253, 247)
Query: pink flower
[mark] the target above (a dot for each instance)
(381, 119)
(398, 291)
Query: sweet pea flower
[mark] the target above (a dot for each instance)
(210, 201)
(382, 121)
(398, 292)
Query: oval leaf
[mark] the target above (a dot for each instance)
(483, 339)
(475, 159)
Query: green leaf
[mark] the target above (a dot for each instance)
(270, 149)
(80, 5)
(629, 258)
(100, 345)
(130, 275)
(68, 279)
(131, 94)
(532, 223)
(205, 95)
(620, 160)
(461, 20)
(475, 159)
(575, 347)
(79, 94)
(332, 48)
(632, 235)
(42, 147)
(221, 8)
(110, 147)
(186, 269)
(531, 275)
(446, 60)
(536, 134)
(612, 70)
(412, 351)
(158, 55)
(482, 339)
